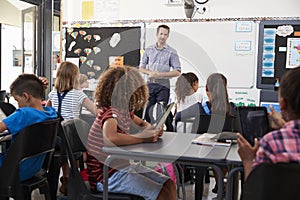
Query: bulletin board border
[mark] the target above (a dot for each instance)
(136, 22)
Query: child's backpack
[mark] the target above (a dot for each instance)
(166, 169)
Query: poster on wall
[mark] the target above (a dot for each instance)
(95, 49)
(293, 52)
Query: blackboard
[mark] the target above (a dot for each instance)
(278, 51)
(93, 46)
(214, 46)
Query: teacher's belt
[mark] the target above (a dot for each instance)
(160, 81)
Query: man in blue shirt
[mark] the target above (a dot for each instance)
(157, 62)
(28, 91)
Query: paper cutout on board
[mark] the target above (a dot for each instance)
(70, 30)
(97, 67)
(90, 63)
(82, 59)
(96, 50)
(71, 45)
(116, 61)
(114, 40)
(87, 51)
(77, 51)
(74, 34)
(88, 38)
(91, 74)
(267, 72)
(82, 32)
(97, 37)
(285, 30)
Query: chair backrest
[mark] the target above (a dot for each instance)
(3, 96)
(273, 181)
(76, 131)
(89, 118)
(36, 139)
(7, 108)
(214, 123)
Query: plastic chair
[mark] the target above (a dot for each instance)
(89, 118)
(7, 108)
(273, 181)
(60, 154)
(3, 96)
(76, 133)
(34, 140)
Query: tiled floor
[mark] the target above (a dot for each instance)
(207, 193)
(189, 188)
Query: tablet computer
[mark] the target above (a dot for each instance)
(253, 122)
(161, 120)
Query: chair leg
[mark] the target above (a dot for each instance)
(207, 178)
(45, 191)
(53, 176)
(200, 172)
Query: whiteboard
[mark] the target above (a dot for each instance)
(227, 47)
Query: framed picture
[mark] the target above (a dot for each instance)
(17, 58)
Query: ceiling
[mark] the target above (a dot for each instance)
(21, 5)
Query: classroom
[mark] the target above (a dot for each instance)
(249, 46)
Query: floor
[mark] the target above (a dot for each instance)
(189, 188)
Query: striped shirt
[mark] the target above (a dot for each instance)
(71, 103)
(95, 155)
(281, 145)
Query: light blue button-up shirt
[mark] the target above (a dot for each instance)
(161, 60)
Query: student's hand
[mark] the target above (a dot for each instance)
(45, 81)
(161, 131)
(276, 120)
(245, 150)
(149, 134)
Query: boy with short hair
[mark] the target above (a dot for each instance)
(28, 91)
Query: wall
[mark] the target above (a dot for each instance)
(8, 71)
(157, 10)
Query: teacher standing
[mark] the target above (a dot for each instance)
(157, 62)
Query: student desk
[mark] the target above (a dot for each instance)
(171, 147)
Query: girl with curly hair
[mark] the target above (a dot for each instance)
(120, 91)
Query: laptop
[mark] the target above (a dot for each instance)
(253, 122)
(161, 120)
(225, 136)
(223, 127)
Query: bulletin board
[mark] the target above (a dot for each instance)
(94, 49)
(278, 51)
(205, 47)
